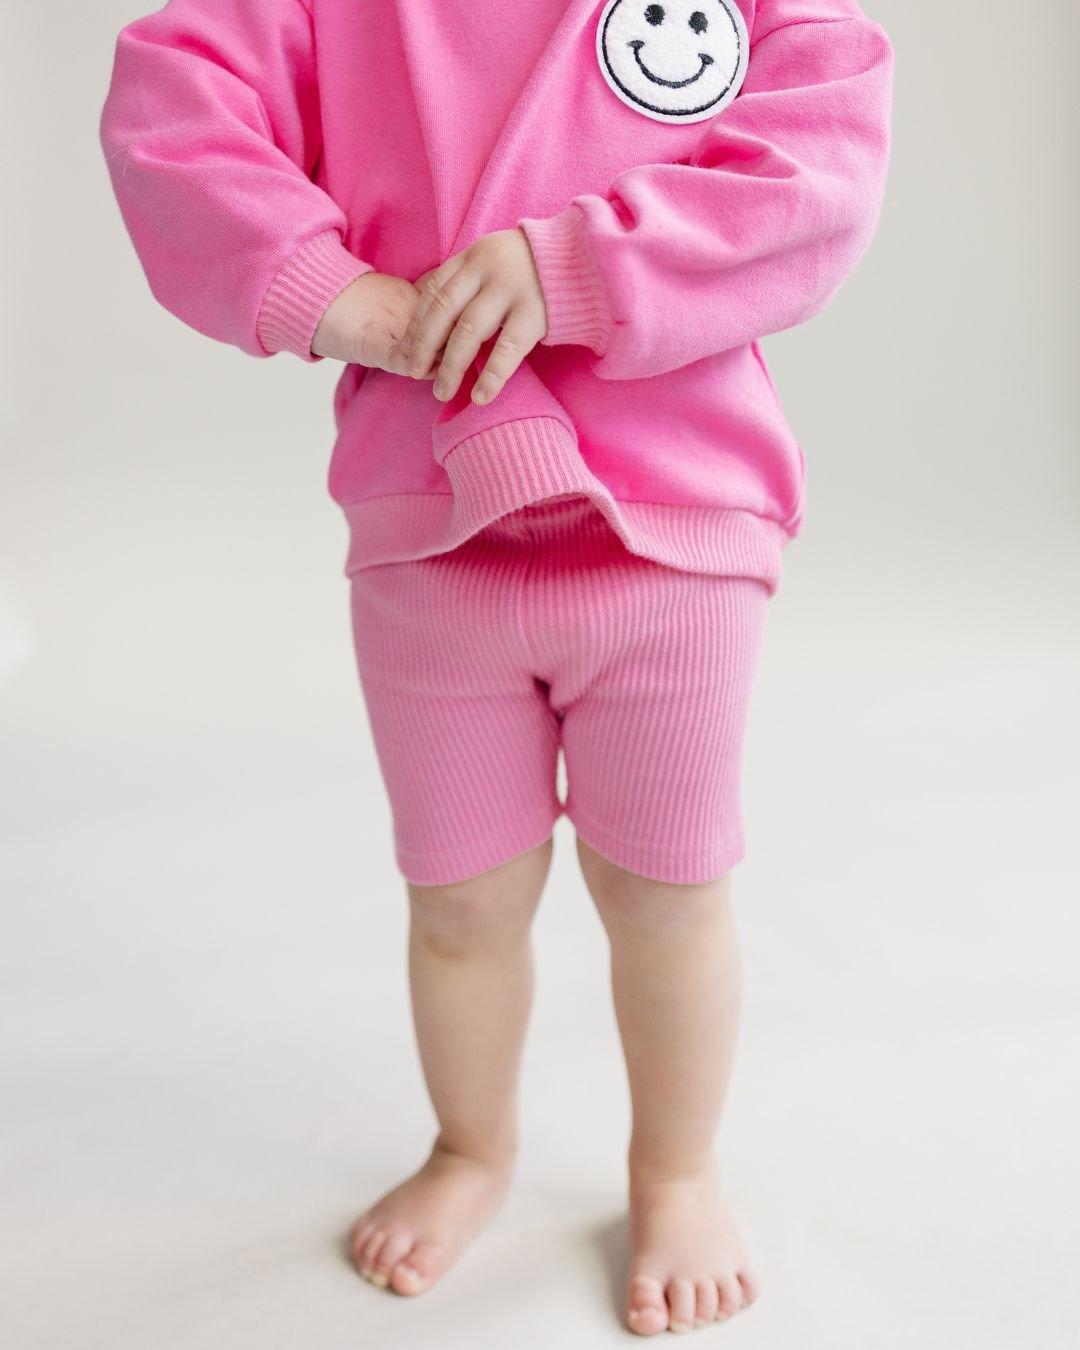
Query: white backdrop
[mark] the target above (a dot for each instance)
(208, 1064)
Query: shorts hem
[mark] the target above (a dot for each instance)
(691, 868)
(463, 862)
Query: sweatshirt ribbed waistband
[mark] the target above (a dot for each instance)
(534, 463)
(567, 511)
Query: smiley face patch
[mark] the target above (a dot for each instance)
(680, 61)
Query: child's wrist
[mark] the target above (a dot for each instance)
(302, 291)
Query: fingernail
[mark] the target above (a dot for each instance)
(480, 396)
(440, 391)
(406, 345)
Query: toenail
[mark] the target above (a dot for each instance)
(642, 1315)
(378, 1278)
(700, 1322)
(680, 1326)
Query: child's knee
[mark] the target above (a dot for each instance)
(494, 907)
(628, 900)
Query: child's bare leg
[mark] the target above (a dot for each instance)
(471, 980)
(676, 982)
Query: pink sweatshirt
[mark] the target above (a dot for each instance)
(691, 176)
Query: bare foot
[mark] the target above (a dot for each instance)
(688, 1264)
(415, 1232)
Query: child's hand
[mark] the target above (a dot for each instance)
(365, 323)
(492, 284)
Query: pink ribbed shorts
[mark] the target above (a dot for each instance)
(540, 631)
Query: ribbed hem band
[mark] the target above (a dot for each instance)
(519, 462)
(301, 292)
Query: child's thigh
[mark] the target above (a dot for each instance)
(653, 744)
(466, 740)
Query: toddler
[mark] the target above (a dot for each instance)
(544, 241)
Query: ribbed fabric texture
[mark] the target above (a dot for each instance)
(577, 308)
(542, 631)
(520, 463)
(253, 148)
(298, 297)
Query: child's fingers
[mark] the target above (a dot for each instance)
(398, 364)
(429, 285)
(440, 324)
(513, 345)
(479, 321)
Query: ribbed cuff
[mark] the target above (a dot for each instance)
(302, 291)
(574, 294)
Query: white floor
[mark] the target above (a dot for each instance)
(207, 1055)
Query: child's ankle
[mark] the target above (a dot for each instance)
(496, 1154)
(658, 1165)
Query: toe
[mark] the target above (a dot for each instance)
(751, 1285)
(398, 1242)
(682, 1299)
(358, 1236)
(708, 1302)
(359, 1230)
(418, 1269)
(362, 1247)
(369, 1254)
(648, 1310)
(730, 1292)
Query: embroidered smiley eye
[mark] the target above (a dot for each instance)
(677, 62)
(654, 14)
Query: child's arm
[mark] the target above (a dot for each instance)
(211, 129)
(756, 233)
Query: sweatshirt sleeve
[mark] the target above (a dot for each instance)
(757, 230)
(211, 131)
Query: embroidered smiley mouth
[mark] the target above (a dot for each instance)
(637, 45)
